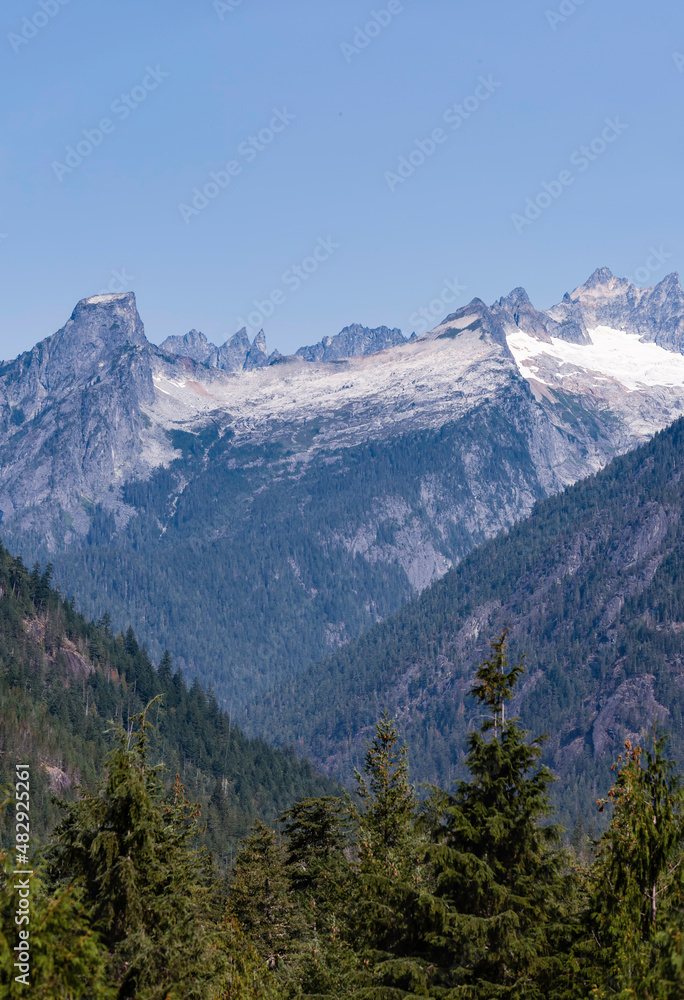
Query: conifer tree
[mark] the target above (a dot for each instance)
(636, 910)
(259, 898)
(391, 874)
(321, 880)
(131, 856)
(493, 924)
(387, 836)
(317, 832)
(66, 958)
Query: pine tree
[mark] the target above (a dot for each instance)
(317, 832)
(386, 825)
(492, 926)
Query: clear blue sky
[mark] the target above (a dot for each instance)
(324, 175)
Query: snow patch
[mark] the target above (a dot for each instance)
(612, 354)
(96, 300)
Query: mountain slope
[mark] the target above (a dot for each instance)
(253, 519)
(66, 683)
(592, 588)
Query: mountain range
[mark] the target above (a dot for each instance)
(253, 512)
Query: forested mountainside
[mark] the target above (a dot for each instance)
(592, 588)
(252, 517)
(67, 684)
(469, 893)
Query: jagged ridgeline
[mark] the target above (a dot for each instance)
(66, 686)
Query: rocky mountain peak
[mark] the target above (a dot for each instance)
(475, 317)
(98, 327)
(352, 342)
(516, 310)
(192, 345)
(602, 276)
(601, 285)
(257, 356)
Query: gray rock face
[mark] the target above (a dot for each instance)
(71, 413)
(193, 345)
(655, 314)
(234, 355)
(352, 342)
(474, 318)
(257, 356)
(517, 310)
(564, 320)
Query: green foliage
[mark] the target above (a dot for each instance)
(130, 854)
(386, 838)
(499, 898)
(636, 903)
(66, 683)
(66, 957)
(259, 899)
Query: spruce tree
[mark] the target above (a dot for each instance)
(321, 879)
(317, 833)
(388, 806)
(67, 958)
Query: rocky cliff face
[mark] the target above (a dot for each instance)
(388, 463)
(71, 416)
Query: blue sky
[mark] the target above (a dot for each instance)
(184, 85)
